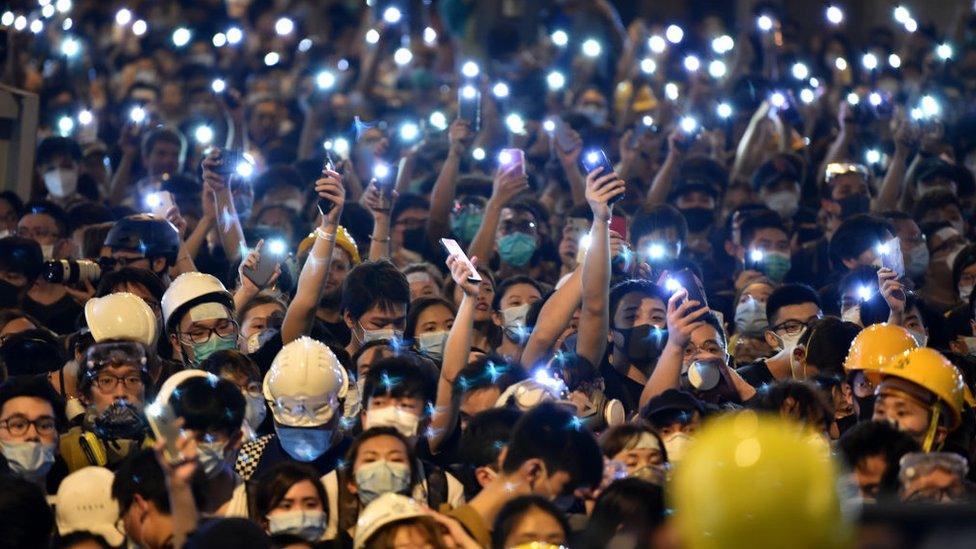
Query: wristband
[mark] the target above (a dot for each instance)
(374, 239)
(321, 233)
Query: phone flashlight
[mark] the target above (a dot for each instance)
(478, 154)
(500, 90)
(438, 120)
(873, 156)
(392, 15)
(894, 61)
(671, 91)
(402, 56)
(218, 85)
(869, 61)
(470, 69)
(372, 36)
(381, 170)
(657, 44)
(672, 285)
(692, 63)
(153, 200)
(234, 35)
(325, 80)
(800, 71)
(591, 48)
(723, 110)
(181, 37)
(688, 124)
(756, 256)
(65, 125)
(584, 241)
(764, 23)
(203, 134)
(930, 107)
(674, 34)
(881, 248)
(723, 44)
(864, 293)
(277, 246)
(549, 125)
(515, 123)
(648, 66)
(807, 96)
(284, 26)
(559, 38)
(555, 80)
(655, 251)
(245, 168)
(409, 131)
(85, 117)
(853, 99)
(137, 115)
(70, 47)
(835, 15)
(717, 68)
(875, 99)
(944, 51)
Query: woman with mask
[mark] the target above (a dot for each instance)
(289, 500)
(639, 450)
(260, 319)
(239, 369)
(747, 343)
(485, 330)
(428, 324)
(511, 306)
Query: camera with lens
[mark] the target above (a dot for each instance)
(72, 271)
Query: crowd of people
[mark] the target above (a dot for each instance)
(460, 274)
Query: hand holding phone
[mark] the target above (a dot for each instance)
(452, 247)
(160, 203)
(162, 421)
(686, 279)
(271, 255)
(593, 159)
(325, 206)
(229, 161)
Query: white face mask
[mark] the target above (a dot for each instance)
(211, 457)
(917, 261)
(676, 445)
(965, 292)
(61, 182)
(404, 421)
(921, 338)
(789, 342)
(750, 317)
(785, 203)
(432, 344)
(513, 321)
(306, 524)
(970, 345)
(28, 459)
(388, 334)
(255, 410)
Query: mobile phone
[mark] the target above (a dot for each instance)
(509, 157)
(229, 160)
(272, 254)
(686, 279)
(891, 257)
(563, 135)
(162, 421)
(754, 260)
(469, 106)
(643, 127)
(159, 203)
(618, 224)
(594, 159)
(453, 248)
(325, 206)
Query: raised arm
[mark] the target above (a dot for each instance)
(442, 196)
(456, 351)
(301, 310)
(838, 150)
(661, 185)
(746, 151)
(379, 240)
(122, 179)
(681, 324)
(509, 183)
(228, 225)
(569, 160)
(893, 186)
(554, 317)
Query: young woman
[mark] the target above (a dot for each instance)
(428, 324)
(485, 330)
(529, 519)
(289, 500)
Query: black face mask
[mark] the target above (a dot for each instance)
(698, 218)
(853, 205)
(413, 239)
(643, 344)
(9, 295)
(120, 420)
(865, 407)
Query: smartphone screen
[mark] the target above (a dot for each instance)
(469, 106)
(325, 206)
(162, 421)
(687, 280)
(513, 156)
(594, 159)
(891, 257)
(564, 138)
(453, 248)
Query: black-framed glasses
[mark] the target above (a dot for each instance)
(224, 329)
(791, 327)
(106, 383)
(17, 425)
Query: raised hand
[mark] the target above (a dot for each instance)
(600, 190)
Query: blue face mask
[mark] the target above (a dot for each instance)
(381, 477)
(303, 443)
(465, 225)
(203, 350)
(517, 248)
(309, 525)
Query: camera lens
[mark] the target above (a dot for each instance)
(71, 271)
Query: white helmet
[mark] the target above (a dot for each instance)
(175, 380)
(121, 316)
(305, 383)
(386, 509)
(191, 289)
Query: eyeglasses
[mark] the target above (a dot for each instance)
(225, 329)
(790, 327)
(17, 425)
(251, 389)
(106, 383)
(111, 263)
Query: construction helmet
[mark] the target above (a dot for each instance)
(876, 345)
(344, 240)
(928, 369)
(190, 290)
(305, 383)
(147, 235)
(384, 510)
(758, 481)
(122, 317)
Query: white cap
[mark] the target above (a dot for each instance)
(85, 504)
(121, 316)
(305, 383)
(384, 510)
(192, 289)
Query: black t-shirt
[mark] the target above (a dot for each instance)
(60, 317)
(619, 386)
(336, 332)
(756, 373)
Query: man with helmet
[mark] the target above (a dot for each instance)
(345, 256)
(113, 383)
(304, 389)
(198, 313)
(871, 349)
(143, 241)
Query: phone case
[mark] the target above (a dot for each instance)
(453, 248)
(564, 139)
(163, 427)
(693, 286)
(470, 109)
(263, 271)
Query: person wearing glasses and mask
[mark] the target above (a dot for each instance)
(198, 313)
(30, 415)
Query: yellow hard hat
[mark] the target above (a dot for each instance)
(876, 345)
(758, 481)
(344, 240)
(928, 369)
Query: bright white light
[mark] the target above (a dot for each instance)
(7, 18)
(284, 26)
(764, 23)
(67, 24)
(402, 56)
(944, 51)
(137, 115)
(470, 69)
(555, 80)
(853, 98)
(505, 157)
(85, 117)
(409, 131)
(218, 85)
(672, 285)
(671, 91)
(381, 170)
(807, 95)
(277, 246)
(342, 64)
(930, 107)
(911, 25)
(341, 146)
(584, 241)
(559, 38)
(70, 47)
(478, 154)
(902, 14)
(875, 99)
(756, 255)
(271, 58)
(722, 44)
(139, 27)
(392, 15)
(835, 15)
(881, 248)
(655, 251)
(500, 89)
(219, 40)
(123, 17)
(63, 6)
(372, 36)
(777, 99)
(324, 80)
(692, 63)
(894, 61)
(814, 83)
(469, 92)
(20, 23)
(917, 113)
(717, 68)
(657, 44)
(674, 34)
(244, 169)
(648, 66)
(549, 125)
(203, 134)
(869, 61)
(800, 71)
(47, 11)
(591, 48)
(181, 37)
(688, 124)
(304, 44)
(840, 64)
(36, 26)
(234, 35)
(430, 36)
(438, 120)
(724, 110)
(872, 156)
(65, 125)
(515, 123)
(647, 120)
(153, 200)
(864, 293)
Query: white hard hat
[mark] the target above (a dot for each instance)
(191, 289)
(386, 509)
(174, 381)
(121, 317)
(305, 383)
(85, 504)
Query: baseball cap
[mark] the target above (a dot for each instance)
(673, 400)
(936, 167)
(85, 504)
(782, 167)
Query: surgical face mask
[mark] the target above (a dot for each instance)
(921, 338)
(788, 342)
(965, 292)
(404, 421)
(750, 317)
(255, 410)
(385, 334)
(643, 344)
(676, 445)
(28, 459)
(517, 248)
(61, 182)
(381, 477)
(121, 420)
(775, 265)
(304, 444)
(465, 225)
(785, 203)
(47, 250)
(432, 344)
(595, 113)
(211, 457)
(203, 350)
(513, 321)
(970, 345)
(306, 524)
(917, 261)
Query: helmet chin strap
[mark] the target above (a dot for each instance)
(930, 433)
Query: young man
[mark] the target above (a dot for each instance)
(763, 249)
(675, 415)
(30, 417)
(374, 303)
(872, 450)
(659, 234)
(485, 435)
(140, 488)
(52, 304)
(345, 256)
(58, 160)
(146, 242)
(854, 245)
(198, 313)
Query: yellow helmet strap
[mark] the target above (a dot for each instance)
(933, 426)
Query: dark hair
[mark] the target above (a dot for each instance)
(789, 294)
(450, 285)
(487, 371)
(875, 309)
(864, 275)
(112, 280)
(209, 404)
(934, 200)
(54, 146)
(630, 507)
(278, 174)
(420, 305)
(15, 202)
(616, 439)
(88, 213)
(407, 201)
(828, 350)
(231, 361)
(35, 387)
(399, 377)
(265, 297)
(52, 210)
(855, 235)
(965, 258)
(163, 135)
(482, 441)
(375, 432)
(93, 238)
(658, 218)
(550, 433)
(510, 282)
(140, 474)
(21, 255)
(371, 284)
(638, 285)
(28, 520)
(757, 221)
(78, 537)
(810, 403)
(877, 438)
(511, 514)
(270, 487)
